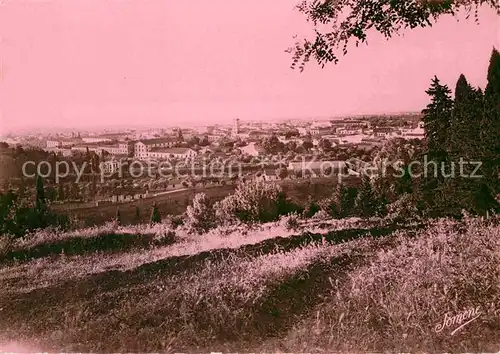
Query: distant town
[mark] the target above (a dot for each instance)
(125, 166)
(240, 138)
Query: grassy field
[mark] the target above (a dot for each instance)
(327, 285)
(168, 204)
(175, 203)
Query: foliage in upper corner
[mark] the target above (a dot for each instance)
(347, 20)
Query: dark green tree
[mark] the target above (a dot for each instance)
(22, 188)
(381, 202)
(40, 194)
(343, 201)
(67, 191)
(60, 191)
(155, 215)
(307, 144)
(366, 201)
(325, 144)
(272, 144)
(437, 119)
(282, 173)
(75, 191)
(95, 163)
(8, 206)
(466, 142)
(464, 135)
(93, 187)
(311, 208)
(118, 218)
(490, 127)
(404, 184)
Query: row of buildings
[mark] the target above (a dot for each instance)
(333, 129)
(338, 132)
(143, 149)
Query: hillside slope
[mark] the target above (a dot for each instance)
(379, 290)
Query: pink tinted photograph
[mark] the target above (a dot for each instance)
(252, 176)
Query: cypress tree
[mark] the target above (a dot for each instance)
(404, 184)
(60, 191)
(40, 212)
(118, 218)
(343, 201)
(40, 194)
(22, 188)
(437, 121)
(464, 133)
(155, 215)
(437, 117)
(382, 205)
(75, 191)
(465, 142)
(366, 204)
(93, 186)
(490, 127)
(137, 213)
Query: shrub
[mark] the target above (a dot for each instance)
(164, 235)
(282, 173)
(290, 221)
(5, 245)
(311, 208)
(200, 217)
(366, 203)
(404, 208)
(251, 202)
(321, 215)
(18, 217)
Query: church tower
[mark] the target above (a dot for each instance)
(236, 126)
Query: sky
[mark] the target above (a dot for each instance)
(85, 63)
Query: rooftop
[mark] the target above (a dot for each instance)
(172, 150)
(158, 141)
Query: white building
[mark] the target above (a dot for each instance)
(53, 143)
(122, 148)
(59, 143)
(168, 153)
(142, 147)
(386, 133)
(96, 139)
(110, 166)
(320, 131)
(349, 130)
(417, 133)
